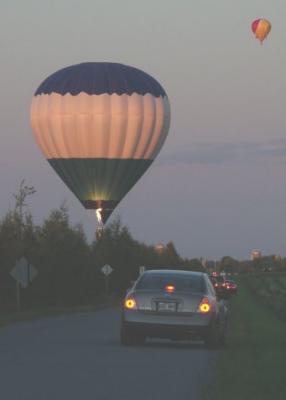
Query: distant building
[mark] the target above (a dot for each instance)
(255, 254)
(159, 248)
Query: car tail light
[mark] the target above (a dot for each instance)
(204, 306)
(130, 303)
(170, 288)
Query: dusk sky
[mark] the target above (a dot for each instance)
(217, 187)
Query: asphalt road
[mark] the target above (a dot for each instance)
(79, 357)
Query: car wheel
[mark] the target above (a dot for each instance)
(222, 339)
(129, 338)
(126, 337)
(139, 340)
(213, 337)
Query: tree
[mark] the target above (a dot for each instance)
(20, 198)
(17, 239)
(228, 264)
(64, 261)
(194, 265)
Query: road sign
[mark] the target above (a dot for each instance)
(106, 270)
(23, 272)
(142, 269)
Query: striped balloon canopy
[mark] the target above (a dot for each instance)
(100, 126)
(261, 27)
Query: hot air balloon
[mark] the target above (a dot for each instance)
(100, 125)
(261, 27)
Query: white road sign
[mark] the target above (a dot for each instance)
(23, 272)
(142, 269)
(106, 270)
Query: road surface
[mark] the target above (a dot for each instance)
(79, 357)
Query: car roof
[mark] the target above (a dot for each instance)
(172, 272)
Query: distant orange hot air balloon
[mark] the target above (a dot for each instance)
(261, 27)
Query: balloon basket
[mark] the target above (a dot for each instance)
(99, 232)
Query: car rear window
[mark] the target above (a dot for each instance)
(193, 283)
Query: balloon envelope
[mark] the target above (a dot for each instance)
(100, 126)
(261, 28)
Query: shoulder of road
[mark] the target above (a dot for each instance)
(33, 314)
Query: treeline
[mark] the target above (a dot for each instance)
(269, 263)
(69, 268)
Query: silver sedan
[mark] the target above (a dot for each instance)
(173, 304)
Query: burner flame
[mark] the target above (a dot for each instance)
(98, 212)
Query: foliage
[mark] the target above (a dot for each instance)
(253, 364)
(69, 268)
(270, 290)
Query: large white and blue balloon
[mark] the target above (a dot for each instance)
(100, 126)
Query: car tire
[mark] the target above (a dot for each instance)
(129, 338)
(224, 332)
(213, 337)
(222, 339)
(126, 337)
(140, 340)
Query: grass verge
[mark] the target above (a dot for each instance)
(270, 290)
(253, 365)
(33, 314)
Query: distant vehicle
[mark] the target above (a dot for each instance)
(231, 286)
(221, 287)
(218, 282)
(173, 304)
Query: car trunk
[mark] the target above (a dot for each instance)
(162, 302)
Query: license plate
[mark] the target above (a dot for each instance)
(166, 306)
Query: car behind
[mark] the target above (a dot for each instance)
(231, 286)
(173, 304)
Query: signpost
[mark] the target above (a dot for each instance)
(106, 270)
(142, 269)
(23, 273)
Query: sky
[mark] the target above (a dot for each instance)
(217, 186)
